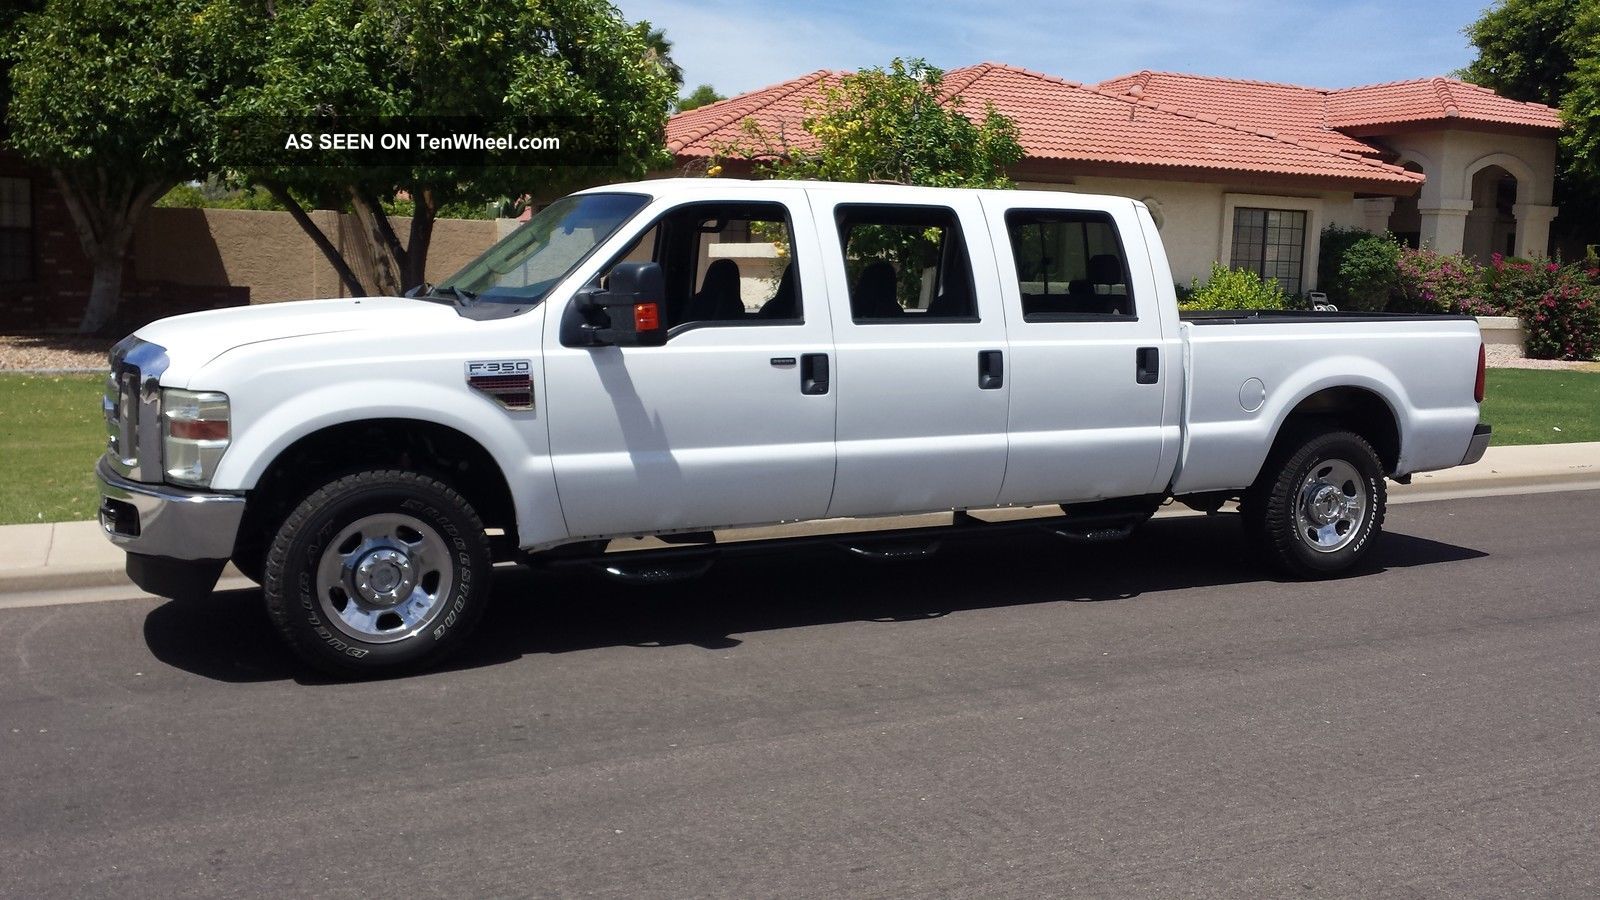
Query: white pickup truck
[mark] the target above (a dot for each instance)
(677, 357)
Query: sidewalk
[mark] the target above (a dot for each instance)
(75, 555)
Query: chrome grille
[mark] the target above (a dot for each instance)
(132, 406)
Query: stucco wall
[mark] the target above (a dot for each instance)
(1197, 219)
(268, 253)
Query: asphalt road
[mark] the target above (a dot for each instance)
(1016, 718)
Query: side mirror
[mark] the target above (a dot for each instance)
(630, 311)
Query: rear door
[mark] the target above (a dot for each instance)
(922, 371)
(1089, 370)
(722, 424)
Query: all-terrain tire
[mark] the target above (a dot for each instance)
(1318, 505)
(378, 573)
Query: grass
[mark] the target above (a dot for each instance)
(1542, 406)
(51, 432)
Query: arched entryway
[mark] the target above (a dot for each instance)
(1492, 223)
(1405, 221)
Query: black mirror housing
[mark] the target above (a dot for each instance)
(631, 310)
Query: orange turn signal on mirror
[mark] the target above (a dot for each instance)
(646, 317)
(198, 430)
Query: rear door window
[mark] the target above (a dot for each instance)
(1070, 266)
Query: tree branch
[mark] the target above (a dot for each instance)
(329, 251)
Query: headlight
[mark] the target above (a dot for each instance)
(194, 434)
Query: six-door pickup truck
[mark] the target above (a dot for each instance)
(674, 357)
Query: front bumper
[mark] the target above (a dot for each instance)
(1479, 444)
(163, 521)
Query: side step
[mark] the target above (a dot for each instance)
(1081, 523)
(892, 550)
(647, 571)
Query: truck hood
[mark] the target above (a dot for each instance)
(193, 340)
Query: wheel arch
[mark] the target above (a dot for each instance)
(412, 444)
(1354, 408)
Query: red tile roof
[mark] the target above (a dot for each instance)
(1290, 110)
(1433, 99)
(1063, 120)
(1315, 115)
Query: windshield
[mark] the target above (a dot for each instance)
(528, 262)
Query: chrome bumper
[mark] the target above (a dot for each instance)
(1480, 443)
(161, 520)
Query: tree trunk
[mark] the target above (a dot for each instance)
(105, 286)
(105, 209)
(421, 238)
(388, 257)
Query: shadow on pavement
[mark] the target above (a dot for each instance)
(228, 637)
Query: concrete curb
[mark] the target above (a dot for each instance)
(63, 556)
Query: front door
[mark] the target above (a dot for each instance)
(731, 421)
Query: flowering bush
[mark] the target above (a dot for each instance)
(1559, 305)
(1432, 282)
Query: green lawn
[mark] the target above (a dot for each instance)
(51, 433)
(1526, 406)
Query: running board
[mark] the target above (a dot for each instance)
(1081, 523)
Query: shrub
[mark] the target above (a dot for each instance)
(1357, 269)
(1431, 282)
(1559, 305)
(1235, 289)
(1368, 273)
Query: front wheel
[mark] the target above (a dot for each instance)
(1316, 508)
(378, 572)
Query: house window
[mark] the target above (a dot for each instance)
(1271, 243)
(16, 230)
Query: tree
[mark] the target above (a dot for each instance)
(116, 97)
(658, 50)
(493, 66)
(1548, 51)
(1528, 49)
(893, 124)
(700, 96)
(10, 20)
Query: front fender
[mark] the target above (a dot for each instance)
(516, 440)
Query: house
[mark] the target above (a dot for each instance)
(1247, 173)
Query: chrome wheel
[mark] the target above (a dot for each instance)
(384, 578)
(1332, 506)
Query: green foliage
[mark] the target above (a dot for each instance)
(1230, 289)
(121, 90)
(1369, 273)
(1336, 240)
(1431, 282)
(700, 96)
(893, 125)
(1527, 49)
(503, 62)
(213, 194)
(1558, 305)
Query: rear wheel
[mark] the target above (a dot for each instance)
(378, 572)
(1318, 505)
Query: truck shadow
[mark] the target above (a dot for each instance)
(228, 637)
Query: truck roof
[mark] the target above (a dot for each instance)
(659, 188)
